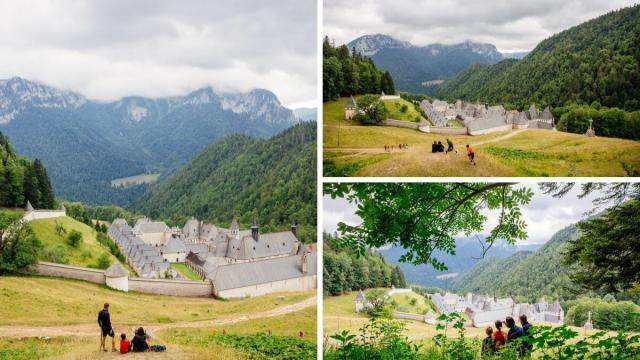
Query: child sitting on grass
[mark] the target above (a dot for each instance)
(488, 345)
(125, 345)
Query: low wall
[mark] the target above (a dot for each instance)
(398, 291)
(448, 130)
(172, 287)
(491, 130)
(408, 316)
(68, 271)
(43, 214)
(295, 284)
(402, 124)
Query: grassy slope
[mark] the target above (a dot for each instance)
(85, 255)
(532, 152)
(421, 306)
(394, 106)
(32, 300)
(185, 271)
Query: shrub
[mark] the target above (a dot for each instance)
(103, 262)
(19, 247)
(55, 254)
(74, 238)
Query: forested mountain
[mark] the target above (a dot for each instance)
(273, 180)
(468, 250)
(22, 180)
(525, 276)
(86, 144)
(345, 73)
(344, 271)
(598, 60)
(419, 69)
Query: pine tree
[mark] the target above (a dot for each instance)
(47, 199)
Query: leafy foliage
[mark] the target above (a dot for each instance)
(22, 180)
(598, 60)
(424, 217)
(74, 238)
(370, 110)
(611, 122)
(605, 254)
(18, 245)
(345, 74)
(272, 180)
(345, 270)
(605, 315)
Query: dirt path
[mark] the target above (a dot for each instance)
(381, 150)
(92, 328)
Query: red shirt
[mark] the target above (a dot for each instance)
(469, 149)
(124, 346)
(498, 337)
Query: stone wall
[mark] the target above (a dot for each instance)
(296, 284)
(402, 123)
(408, 316)
(43, 214)
(505, 127)
(448, 130)
(68, 271)
(172, 287)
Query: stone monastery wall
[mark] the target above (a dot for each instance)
(149, 286)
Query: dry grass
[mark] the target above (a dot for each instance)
(533, 152)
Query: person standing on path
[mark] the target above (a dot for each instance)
(104, 321)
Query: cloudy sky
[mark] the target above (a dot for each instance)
(544, 215)
(510, 25)
(110, 49)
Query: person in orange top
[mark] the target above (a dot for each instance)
(498, 335)
(125, 345)
(470, 154)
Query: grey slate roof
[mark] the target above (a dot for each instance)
(269, 244)
(116, 270)
(196, 248)
(245, 274)
(351, 103)
(152, 227)
(175, 245)
(28, 208)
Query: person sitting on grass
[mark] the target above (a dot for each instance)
(471, 154)
(125, 345)
(434, 147)
(104, 321)
(498, 335)
(440, 146)
(526, 331)
(515, 331)
(488, 345)
(139, 341)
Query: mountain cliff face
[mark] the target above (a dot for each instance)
(85, 144)
(417, 68)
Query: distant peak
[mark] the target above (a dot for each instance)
(370, 44)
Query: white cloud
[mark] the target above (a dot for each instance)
(510, 25)
(110, 49)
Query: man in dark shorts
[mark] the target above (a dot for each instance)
(471, 154)
(450, 147)
(104, 320)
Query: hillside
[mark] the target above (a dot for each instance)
(418, 68)
(598, 60)
(273, 180)
(57, 249)
(23, 180)
(85, 144)
(526, 276)
(467, 252)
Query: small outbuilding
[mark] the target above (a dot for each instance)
(117, 277)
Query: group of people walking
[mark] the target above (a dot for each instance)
(437, 146)
(399, 147)
(139, 342)
(496, 339)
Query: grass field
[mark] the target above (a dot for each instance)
(44, 305)
(351, 149)
(185, 271)
(135, 180)
(33, 300)
(395, 110)
(12, 210)
(406, 303)
(86, 254)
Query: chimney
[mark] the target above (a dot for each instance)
(254, 230)
(304, 266)
(294, 229)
